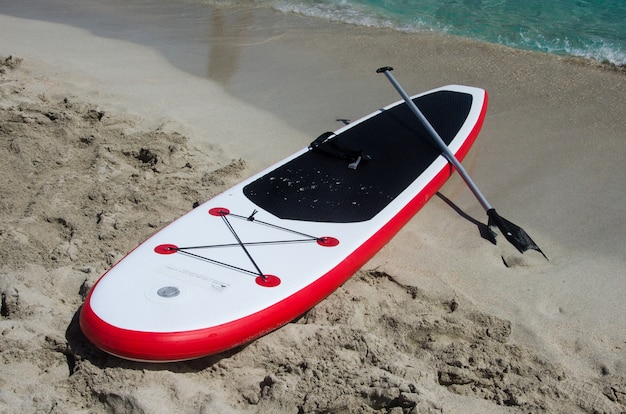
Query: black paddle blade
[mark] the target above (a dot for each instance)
(513, 233)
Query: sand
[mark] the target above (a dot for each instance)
(110, 131)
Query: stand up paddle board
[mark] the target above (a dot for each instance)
(264, 252)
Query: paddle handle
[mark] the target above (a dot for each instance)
(435, 135)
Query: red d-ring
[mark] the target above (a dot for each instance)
(327, 241)
(166, 249)
(267, 281)
(219, 211)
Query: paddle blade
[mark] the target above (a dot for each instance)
(513, 233)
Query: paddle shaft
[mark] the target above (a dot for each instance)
(442, 145)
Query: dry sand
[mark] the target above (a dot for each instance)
(104, 141)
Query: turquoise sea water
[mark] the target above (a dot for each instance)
(589, 28)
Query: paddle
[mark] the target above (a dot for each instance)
(513, 233)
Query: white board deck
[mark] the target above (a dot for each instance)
(221, 276)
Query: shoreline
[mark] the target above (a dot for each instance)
(189, 15)
(553, 127)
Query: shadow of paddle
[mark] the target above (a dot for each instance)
(484, 230)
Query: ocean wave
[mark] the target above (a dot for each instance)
(342, 11)
(486, 25)
(593, 31)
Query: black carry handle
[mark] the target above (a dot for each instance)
(325, 144)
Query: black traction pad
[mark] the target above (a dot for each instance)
(319, 188)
